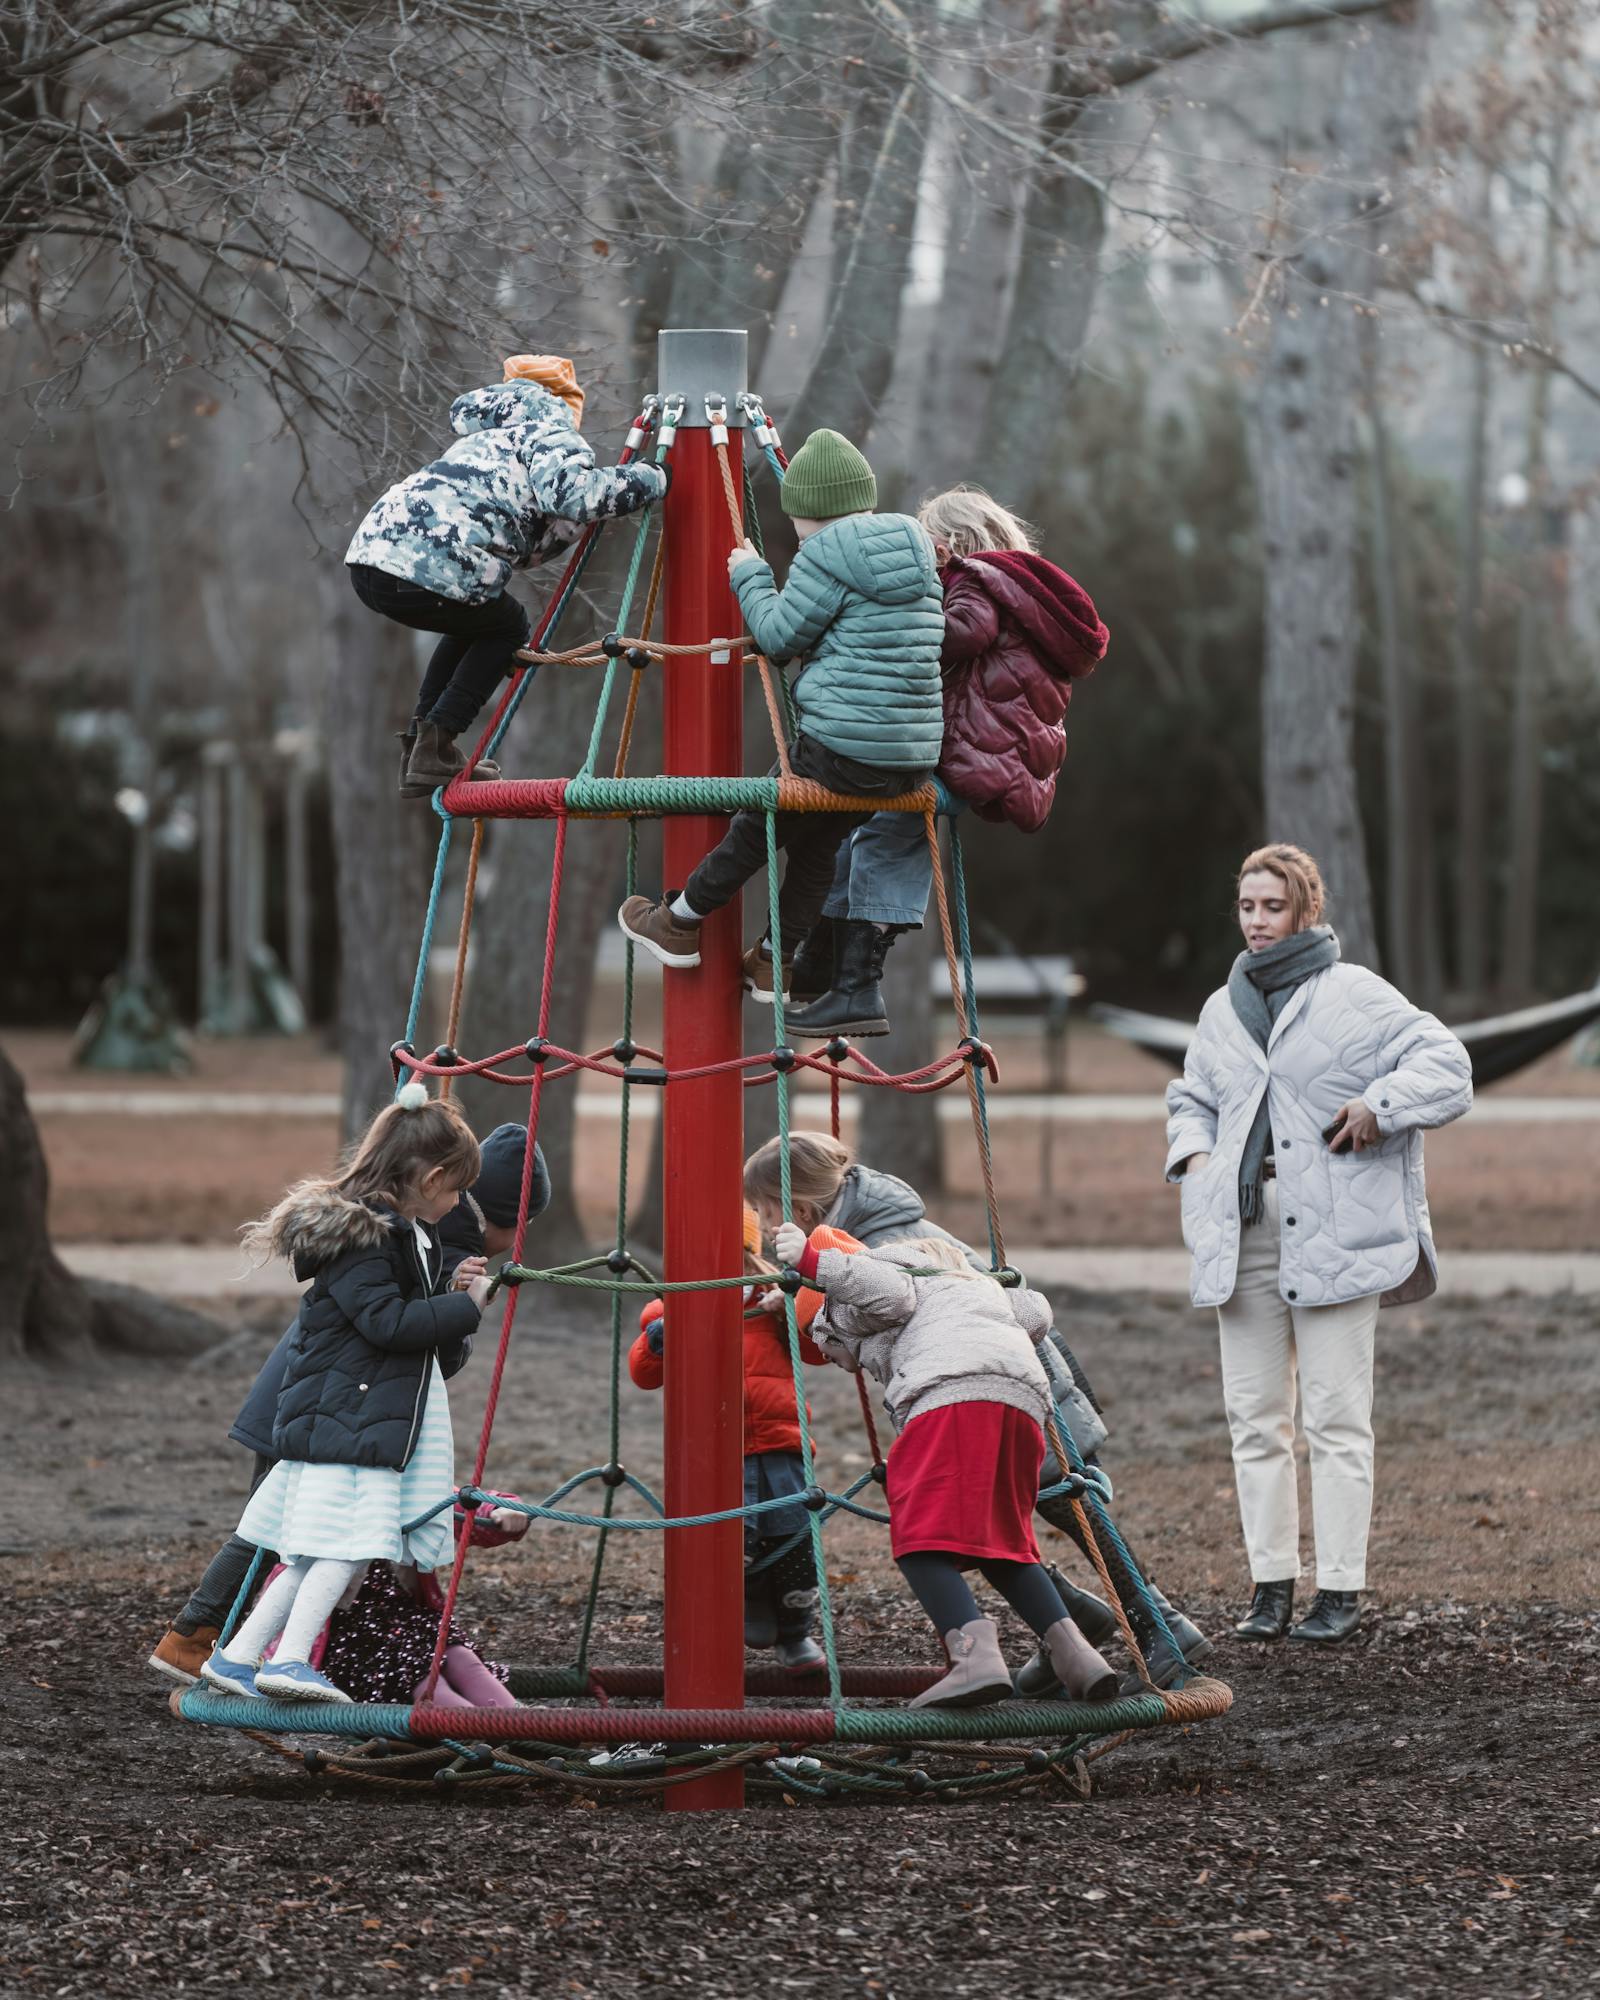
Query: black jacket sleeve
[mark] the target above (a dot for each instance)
(362, 1285)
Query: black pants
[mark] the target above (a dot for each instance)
(216, 1590)
(789, 1584)
(810, 841)
(944, 1593)
(469, 662)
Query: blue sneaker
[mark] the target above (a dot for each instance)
(296, 1680)
(228, 1677)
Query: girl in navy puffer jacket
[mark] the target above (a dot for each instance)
(362, 1429)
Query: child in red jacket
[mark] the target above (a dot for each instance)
(781, 1595)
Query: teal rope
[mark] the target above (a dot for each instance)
(635, 564)
(658, 794)
(808, 1463)
(419, 980)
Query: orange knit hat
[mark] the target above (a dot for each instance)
(551, 371)
(752, 1231)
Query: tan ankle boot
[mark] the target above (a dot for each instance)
(977, 1670)
(434, 760)
(1077, 1665)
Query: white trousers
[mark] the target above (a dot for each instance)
(1267, 1346)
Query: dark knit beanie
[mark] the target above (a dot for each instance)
(498, 1188)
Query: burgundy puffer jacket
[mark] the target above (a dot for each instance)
(1017, 633)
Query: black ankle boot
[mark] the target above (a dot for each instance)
(811, 972)
(1335, 1615)
(1269, 1613)
(854, 1004)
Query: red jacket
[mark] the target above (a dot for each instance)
(1017, 633)
(770, 1422)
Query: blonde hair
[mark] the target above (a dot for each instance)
(1299, 874)
(407, 1141)
(818, 1164)
(945, 1256)
(966, 520)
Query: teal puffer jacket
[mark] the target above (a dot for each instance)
(862, 609)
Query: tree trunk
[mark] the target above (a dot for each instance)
(1472, 887)
(1304, 437)
(46, 1314)
(383, 845)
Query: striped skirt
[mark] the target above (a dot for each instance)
(358, 1512)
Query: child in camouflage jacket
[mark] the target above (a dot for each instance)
(437, 550)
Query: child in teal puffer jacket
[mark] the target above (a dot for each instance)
(862, 612)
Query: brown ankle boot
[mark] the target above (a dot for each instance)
(180, 1655)
(977, 1670)
(435, 760)
(1078, 1667)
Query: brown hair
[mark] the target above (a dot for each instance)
(817, 1167)
(966, 519)
(406, 1142)
(1299, 874)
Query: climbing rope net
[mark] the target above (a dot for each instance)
(845, 1740)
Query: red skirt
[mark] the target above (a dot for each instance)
(965, 1479)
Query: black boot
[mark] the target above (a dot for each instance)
(811, 973)
(1335, 1616)
(1093, 1617)
(854, 1005)
(1166, 1662)
(1270, 1610)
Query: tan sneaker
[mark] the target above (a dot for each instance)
(756, 972)
(655, 927)
(180, 1655)
(978, 1672)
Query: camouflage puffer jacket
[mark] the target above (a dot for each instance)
(513, 489)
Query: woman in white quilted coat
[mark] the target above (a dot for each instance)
(1296, 1137)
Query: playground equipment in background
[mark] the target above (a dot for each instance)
(711, 1742)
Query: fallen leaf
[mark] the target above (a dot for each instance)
(1252, 1937)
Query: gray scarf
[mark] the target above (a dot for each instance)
(1259, 987)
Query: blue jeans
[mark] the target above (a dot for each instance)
(884, 873)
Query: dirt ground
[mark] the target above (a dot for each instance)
(1416, 1812)
(1493, 1186)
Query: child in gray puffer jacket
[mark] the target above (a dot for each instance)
(436, 552)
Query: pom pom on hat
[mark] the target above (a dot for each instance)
(412, 1096)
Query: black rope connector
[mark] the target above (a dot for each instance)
(478, 1755)
(650, 1074)
(880, 1473)
(638, 658)
(838, 1049)
(445, 1056)
(618, 1262)
(918, 1781)
(783, 1060)
(814, 1499)
(313, 1760)
(537, 1049)
(623, 1051)
(971, 1050)
(613, 1474)
(831, 1786)
(468, 1501)
(396, 1051)
(1009, 1277)
(789, 1280)
(1036, 1760)
(611, 645)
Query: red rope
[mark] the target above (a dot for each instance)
(546, 992)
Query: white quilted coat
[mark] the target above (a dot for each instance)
(1352, 1223)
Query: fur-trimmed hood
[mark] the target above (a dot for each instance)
(315, 1223)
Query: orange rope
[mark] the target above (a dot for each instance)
(459, 981)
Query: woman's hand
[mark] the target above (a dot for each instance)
(1355, 1126)
(466, 1271)
(789, 1241)
(741, 553)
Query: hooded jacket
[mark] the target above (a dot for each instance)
(355, 1379)
(514, 489)
(1017, 633)
(861, 609)
(770, 1420)
(932, 1341)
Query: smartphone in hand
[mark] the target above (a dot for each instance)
(1333, 1134)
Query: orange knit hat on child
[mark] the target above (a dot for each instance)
(752, 1231)
(551, 371)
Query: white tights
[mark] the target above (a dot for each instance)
(297, 1603)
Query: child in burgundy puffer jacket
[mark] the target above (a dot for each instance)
(1018, 632)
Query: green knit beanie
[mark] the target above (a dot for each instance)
(827, 476)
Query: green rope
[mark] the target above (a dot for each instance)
(659, 794)
(635, 564)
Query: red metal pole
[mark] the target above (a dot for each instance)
(704, 1138)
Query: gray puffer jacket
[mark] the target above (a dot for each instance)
(1351, 1223)
(935, 1341)
(513, 490)
(875, 1207)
